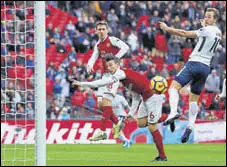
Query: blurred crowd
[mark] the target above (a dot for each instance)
(152, 51)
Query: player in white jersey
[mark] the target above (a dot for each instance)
(108, 93)
(196, 69)
(119, 105)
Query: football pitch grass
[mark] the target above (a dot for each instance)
(115, 155)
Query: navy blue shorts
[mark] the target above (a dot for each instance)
(194, 72)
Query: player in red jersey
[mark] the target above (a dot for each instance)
(150, 104)
(106, 45)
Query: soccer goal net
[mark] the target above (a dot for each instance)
(23, 102)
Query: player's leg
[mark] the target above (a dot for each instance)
(157, 137)
(153, 108)
(100, 135)
(121, 136)
(126, 142)
(198, 82)
(108, 114)
(181, 79)
(193, 111)
(106, 108)
(174, 97)
(104, 114)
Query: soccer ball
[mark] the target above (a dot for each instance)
(158, 85)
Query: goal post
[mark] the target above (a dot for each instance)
(40, 83)
(23, 83)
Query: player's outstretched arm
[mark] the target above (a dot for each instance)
(97, 83)
(178, 32)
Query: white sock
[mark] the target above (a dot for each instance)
(193, 111)
(122, 136)
(173, 101)
(223, 93)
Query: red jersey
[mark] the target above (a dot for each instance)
(106, 48)
(136, 82)
(110, 46)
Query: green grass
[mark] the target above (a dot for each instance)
(137, 155)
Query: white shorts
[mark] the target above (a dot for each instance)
(152, 108)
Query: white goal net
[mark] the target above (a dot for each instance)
(18, 76)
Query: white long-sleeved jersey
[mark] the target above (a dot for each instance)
(109, 91)
(209, 38)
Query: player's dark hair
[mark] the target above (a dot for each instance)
(102, 22)
(110, 57)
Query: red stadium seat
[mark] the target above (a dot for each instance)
(142, 18)
(126, 62)
(49, 86)
(160, 42)
(14, 55)
(77, 100)
(20, 72)
(170, 67)
(74, 19)
(208, 97)
(159, 66)
(157, 59)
